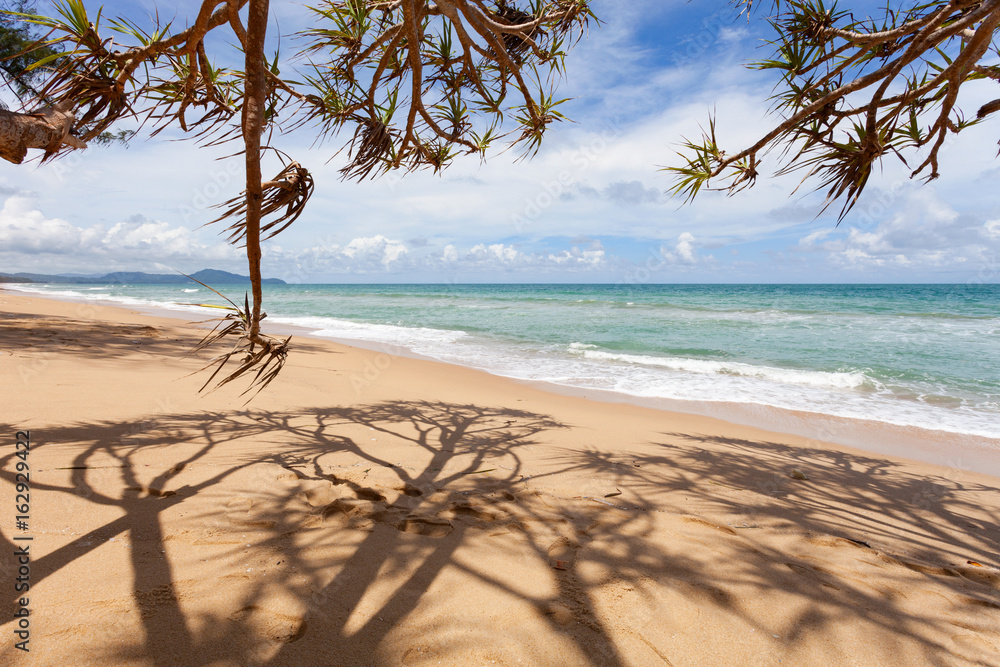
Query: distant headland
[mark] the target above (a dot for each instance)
(207, 276)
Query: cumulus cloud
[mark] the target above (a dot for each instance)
(812, 241)
(375, 250)
(499, 255)
(26, 229)
(381, 255)
(685, 248)
(140, 234)
(135, 243)
(495, 253)
(926, 234)
(683, 252)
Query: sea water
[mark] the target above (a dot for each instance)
(923, 356)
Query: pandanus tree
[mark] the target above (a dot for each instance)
(409, 84)
(855, 89)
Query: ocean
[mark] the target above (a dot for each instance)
(911, 356)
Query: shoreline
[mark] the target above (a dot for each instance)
(386, 510)
(964, 451)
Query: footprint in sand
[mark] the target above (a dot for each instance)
(284, 627)
(241, 504)
(560, 613)
(350, 506)
(396, 517)
(562, 554)
(468, 509)
(425, 526)
(319, 493)
(369, 494)
(412, 491)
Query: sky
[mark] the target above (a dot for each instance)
(591, 206)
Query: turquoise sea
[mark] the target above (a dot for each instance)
(924, 356)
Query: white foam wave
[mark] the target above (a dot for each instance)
(422, 340)
(120, 300)
(64, 293)
(189, 291)
(838, 380)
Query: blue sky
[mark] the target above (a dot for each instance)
(590, 206)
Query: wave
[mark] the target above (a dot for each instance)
(825, 379)
(189, 291)
(414, 338)
(118, 300)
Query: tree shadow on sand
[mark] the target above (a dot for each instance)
(913, 530)
(31, 339)
(332, 549)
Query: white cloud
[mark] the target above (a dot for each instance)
(683, 252)
(811, 241)
(685, 248)
(27, 230)
(375, 250)
(992, 229)
(927, 234)
(31, 241)
(383, 256)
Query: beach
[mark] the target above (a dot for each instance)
(377, 509)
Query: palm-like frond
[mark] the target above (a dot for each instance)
(854, 91)
(266, 355)
(288, 193)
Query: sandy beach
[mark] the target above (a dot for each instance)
(371, 509)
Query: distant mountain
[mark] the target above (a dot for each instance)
(207, 276)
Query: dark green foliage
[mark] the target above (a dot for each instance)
(16, 48)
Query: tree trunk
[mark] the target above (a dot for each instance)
(255, 93)
(48, 130)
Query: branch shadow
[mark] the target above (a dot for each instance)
(32, 338)
(347, 542)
